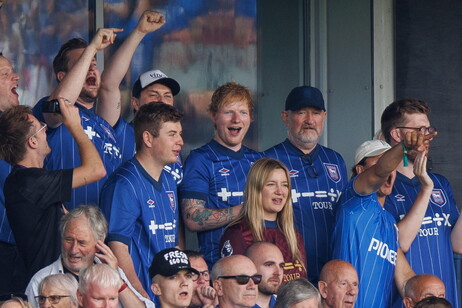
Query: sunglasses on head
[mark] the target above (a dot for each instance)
(243, 279)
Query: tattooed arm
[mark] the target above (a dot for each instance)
(198, 218)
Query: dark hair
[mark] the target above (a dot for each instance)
(60, 60)
(15, 127)
(393, 115)
(150, 118)
(193, 254)
(433, 302)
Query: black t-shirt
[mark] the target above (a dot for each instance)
(33, 201)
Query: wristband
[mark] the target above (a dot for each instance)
(405, 158)
(123, 287)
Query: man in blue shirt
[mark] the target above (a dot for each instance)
(438, 234)
(140, 199)
(318, 174)
(215, 174)
(365, 234)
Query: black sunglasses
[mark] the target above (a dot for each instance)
(243, 279)
(309, 160)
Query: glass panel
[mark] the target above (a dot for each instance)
(204, 44)
(31, 32)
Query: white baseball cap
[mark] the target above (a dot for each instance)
(370, 148)
(156, 76)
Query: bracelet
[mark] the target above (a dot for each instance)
(405, 158)
(123, 287)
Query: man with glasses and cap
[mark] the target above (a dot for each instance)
(439, 231)
(235, 280)
(172, 278)
(364, 233)
(318, 174)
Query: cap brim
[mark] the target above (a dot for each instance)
(168, 82)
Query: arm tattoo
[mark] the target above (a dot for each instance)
(195, 212)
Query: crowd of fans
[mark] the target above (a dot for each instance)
(94, 207)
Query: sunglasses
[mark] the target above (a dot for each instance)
(243, 279)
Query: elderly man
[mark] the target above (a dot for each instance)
(99, 287)
(235, 280)
(437, 233)
(338, 284)
(318, 174)
(203, 293)
(422, 286)
(172, 278)
(269, 262)
(215, 174)
(83, 231)
(298, 293)
(13, 275)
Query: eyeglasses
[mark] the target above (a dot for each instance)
(423, 129)
(204, 274)
(243, 279)
(44, 125)
(54, 299)
(309, 160)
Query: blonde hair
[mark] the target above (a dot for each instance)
(252, 212)
(19, 301)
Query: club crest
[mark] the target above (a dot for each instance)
(332, 172)
(438, 197)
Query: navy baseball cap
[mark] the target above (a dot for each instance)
(304, 96)
(156, 76)
(170, 261)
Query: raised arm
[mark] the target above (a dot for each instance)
(109, 104)
(456, 236)
(198, 218)
(92, 168)
(372, 178)
(71, 83)
(409, 226)
(403, 272)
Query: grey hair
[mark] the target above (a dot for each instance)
(64, 282)
(100, 274)
(296, 291)
(95, 218)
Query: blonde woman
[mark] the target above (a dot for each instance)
(16, 302)
(267, 215)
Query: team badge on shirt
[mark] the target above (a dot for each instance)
(438, 198)
(171, 198)
(332, 172)
(227, 249)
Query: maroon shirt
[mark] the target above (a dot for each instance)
(238, 237)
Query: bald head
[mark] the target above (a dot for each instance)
(422, 286)
(338, 284)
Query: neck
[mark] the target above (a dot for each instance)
(306, 148)
(31, 162)
(85, 104)
(150, 164)
(234, 148)
(381, 199)
(407, 171)
(263, 300)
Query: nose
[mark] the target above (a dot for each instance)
(74, 247)
(15, 77)
(353, 290)
(309, 117)
(250, 284)
(236, 117)
(278, 189)
(180, 141)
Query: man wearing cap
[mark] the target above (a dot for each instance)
(140, 198)
(318, 174)
(439, 231)
(215, 174)
(365, 234)
(172, 278)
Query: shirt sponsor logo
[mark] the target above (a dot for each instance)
(171, 198)
(165, 226)
(438, 197)
(400, 198)
(331, 195)
(224, 194)
(382, 250)
(227, 249)
(332, 172)
(224, 171)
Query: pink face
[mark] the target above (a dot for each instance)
(274, 194)
(8, 85)
(175, 290)
(305, 126)
(167, 145)
(155, 93)
(232, 121)
(97, 297)
(342, 290)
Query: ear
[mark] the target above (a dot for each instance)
(156, 289)
(60, 76)
(218, 287)
(212, 116)
(359, 169)
(135, 102)
(322, 286)
(395, 135)
(79, 298)
(147, 139)
(285, 117)
(32, 143)
(408, 302)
